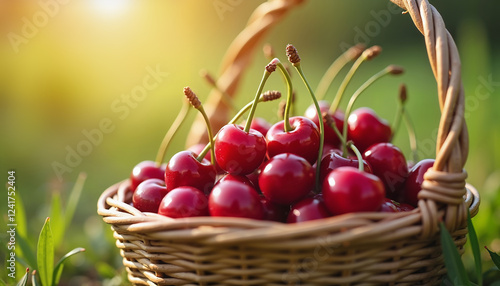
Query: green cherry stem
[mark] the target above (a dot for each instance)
(289, 97)
(266, 96)
(331, 73)
(271, 67)
(181, 116)
(401, 110)
(388, 70)
(350, 145)
(295, 60)
(196, 103)
(367, 54)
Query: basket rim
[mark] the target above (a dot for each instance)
(115, 210)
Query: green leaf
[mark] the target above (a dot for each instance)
(475, 250)
(57, 218)
(74, 198)
(24, 280)
(60, 264)
(494, 257)
(452, 260)
(45, 254)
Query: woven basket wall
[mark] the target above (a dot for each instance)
(352, 249)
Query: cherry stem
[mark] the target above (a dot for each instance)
(331, 73)
(361, 167)
(289, 97)
(366, 55)
(251, 114)
(236, 118)
(412, 136)
(320, 120)
(402, 96)
(181, 116)
(355, 96)
(210, 137)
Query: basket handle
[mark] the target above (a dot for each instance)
(444, 185)
(442, 196)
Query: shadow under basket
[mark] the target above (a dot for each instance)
(351, 249)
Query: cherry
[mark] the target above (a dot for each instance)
(334, 160)
(184, 169)
(413, 183)
(286, 178)
(389, 206)
(184, 202)
(331, 137)
(239, 152)
(308, 209)
(389, 164)
(235, 199)
(366, 128)
(402, 207)
(303, 140)
(273, 211)
(146, 170)
(148, 195)
(347, 189)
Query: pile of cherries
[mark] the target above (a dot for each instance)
(325, 163)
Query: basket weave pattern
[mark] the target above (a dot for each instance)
(352, 249)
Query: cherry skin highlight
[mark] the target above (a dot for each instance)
(184, 169)
(146, 170)
(235, 199)
(366, 128)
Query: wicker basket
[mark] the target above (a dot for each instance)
(352, 249)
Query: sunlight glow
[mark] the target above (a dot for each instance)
(111, 6)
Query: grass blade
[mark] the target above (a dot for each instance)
(475, 250)
(26, 251)
(74, 197)
(34, 281)
(24, 280)
(452, 259)
(57, 218)
(2, 283)
(60, 264)
(494, 257)
(45, 254)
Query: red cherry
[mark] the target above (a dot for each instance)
(197, 148)
(347, 189)
(330, 135)
(235, 199)
(184, 202)
(365, 128)
(239, 152)
(274, 212)
(261, 125)
(184, 169)
(286, 178)
(308, 209)
(413, 183)
(389, 206)
(148, 195)
(146, 170)
(402, 207)
(334, 160)
(302, 141)
(389, 164)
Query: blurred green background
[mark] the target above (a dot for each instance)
(68, 65)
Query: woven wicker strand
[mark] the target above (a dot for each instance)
(352, 249)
